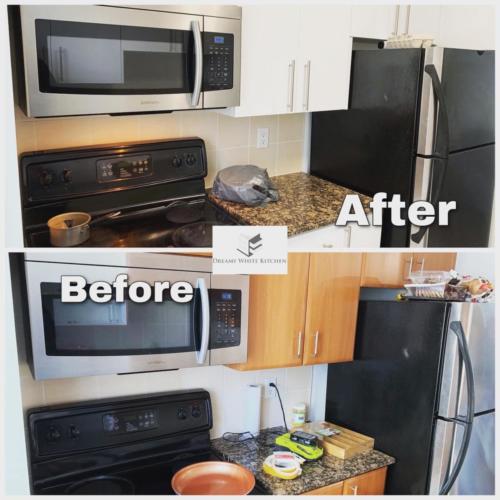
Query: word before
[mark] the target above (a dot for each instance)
(76, 289)
(420, 213)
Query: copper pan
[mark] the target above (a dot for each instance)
(213, 478)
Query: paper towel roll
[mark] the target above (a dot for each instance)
(253, 399)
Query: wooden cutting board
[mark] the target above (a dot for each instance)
(347, 444)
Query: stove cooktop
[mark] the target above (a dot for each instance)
(182, 225)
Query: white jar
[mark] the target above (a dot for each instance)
(299, 415)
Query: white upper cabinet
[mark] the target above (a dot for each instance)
(452, 26)
(293, 59)
(325, 50)
(467, 27)
(374, 21)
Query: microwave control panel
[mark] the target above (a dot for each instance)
(218, 61)
(225, 318)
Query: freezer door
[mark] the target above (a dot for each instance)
(468, 79)
(470, 181)
(477, 475)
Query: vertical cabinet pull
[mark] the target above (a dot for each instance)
(422, 266)
(408, 10)
(316, 339)
(396, 21)
(348, 231)
(299, 345)
(307, 79)
(410, 267)
(291, 77)
(354, 489)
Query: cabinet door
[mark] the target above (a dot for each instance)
(370, 483)
(467, 27)
(332, 307)
(434, 261)
(385, 270)
(324, 62)
(331, 489)
(277, 312)
(269, 45)
(373, 21)
(424, 20)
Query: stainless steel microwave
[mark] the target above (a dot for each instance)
(86, 59)
(88, 338)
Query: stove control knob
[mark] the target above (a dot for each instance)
(53, 434)
(196, 411)
(74, 432)
(181, 414)
(190, 159)
(67, 175)
(177, 162)
(45, 178)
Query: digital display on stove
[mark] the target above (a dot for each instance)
(124, 168)
(124, 423)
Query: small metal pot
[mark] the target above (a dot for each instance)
(73, 228)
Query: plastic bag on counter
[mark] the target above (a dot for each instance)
(245, 184)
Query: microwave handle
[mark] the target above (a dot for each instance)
(205, 321)
(198, 54)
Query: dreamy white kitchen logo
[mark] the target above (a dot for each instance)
(249, 244)
(251, 250)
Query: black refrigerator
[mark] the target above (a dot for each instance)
(420, 123)
(422, 385)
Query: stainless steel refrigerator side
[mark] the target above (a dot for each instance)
(477, 322)
(426, 134)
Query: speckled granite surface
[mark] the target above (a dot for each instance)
(327, 470)
(306, 203)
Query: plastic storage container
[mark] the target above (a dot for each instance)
(427, 284)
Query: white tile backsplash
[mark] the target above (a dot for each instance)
(228, 140)
(226, 388)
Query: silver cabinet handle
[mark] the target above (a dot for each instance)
(411, 265)
(408, 10)
(291, 78)
(422, 265)
(396, 21)
(299, 345)
(205, 321)
(307, 78)
(198, 54)
(348, 231)
(354, 490)
(316, 338)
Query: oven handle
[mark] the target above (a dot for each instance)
(205, 321)
(198, 54)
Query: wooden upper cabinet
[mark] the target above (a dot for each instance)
(277, 312)
(433, 261)
(389, 270)
(385, 270)
(370, 483)
(332, 305)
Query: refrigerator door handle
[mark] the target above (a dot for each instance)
(466, 422)
(441, 144)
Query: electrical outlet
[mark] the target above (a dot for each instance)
(262, 138)
(270, 392)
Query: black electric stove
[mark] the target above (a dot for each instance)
(120, 446)
(157, 188)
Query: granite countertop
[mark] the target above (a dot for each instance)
(323, 472)
(306, 203)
